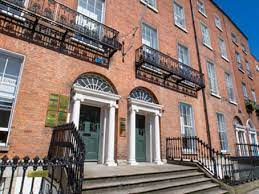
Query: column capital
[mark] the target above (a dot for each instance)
(78, 97)
(133, 109)
(112, 105)
(157, 114)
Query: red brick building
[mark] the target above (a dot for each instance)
(127, 73)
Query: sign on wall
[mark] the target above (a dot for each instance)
(57, 110)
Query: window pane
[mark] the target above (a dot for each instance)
(3, 136)
(222, 132)
(183, 55)
(4, 117)
(179, 15)
(149, 36)
(2, 63)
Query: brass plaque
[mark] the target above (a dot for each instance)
(122, 126)
(38, 173)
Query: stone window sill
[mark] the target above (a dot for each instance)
(215, 95)
(181, 28)
(149, 6)
(4, 148)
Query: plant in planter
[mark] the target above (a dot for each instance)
(249, 106)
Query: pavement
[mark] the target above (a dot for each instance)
(256, 191)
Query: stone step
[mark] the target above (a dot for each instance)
(127, 181)
(151, 186)
(197, 188)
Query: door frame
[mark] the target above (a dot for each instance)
(146, 129)
(108, 104)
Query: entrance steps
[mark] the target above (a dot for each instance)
(148, 178)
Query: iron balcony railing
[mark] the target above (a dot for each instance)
(247, 150)
(54, 24)
(62, 171)
(170, 68)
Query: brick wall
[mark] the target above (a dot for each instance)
(47, 72)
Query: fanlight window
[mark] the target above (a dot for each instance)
(94, 82)
(142, 94)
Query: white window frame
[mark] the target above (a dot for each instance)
(191, 121)
(182, 17)
(248, 67)
(179, 45)
(150, 5)
(244, 90)
(222, 128)
(239, 61)
(200, 5)
(234, 38)
(254, 95)
(205, 35)
(83, 10)
(155, 38)
(230, 87)
(22, 57)
(244, 48)
(223, 49)
(212, 80)
(218, 22)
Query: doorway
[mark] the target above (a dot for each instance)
(89, 127)
(140, 138)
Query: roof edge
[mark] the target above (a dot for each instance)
(229, 19)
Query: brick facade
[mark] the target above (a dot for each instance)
(46, 71)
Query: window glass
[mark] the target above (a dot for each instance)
(149, 36)
(205, 35)
(254, 95)
(183, 54)
(9, 73)
(179, 17)
(201, 7)
(229, 85)
(92, 8)
(218, 22)
(244, 90)
(152, 3)
(212, 78)
(223, 49)
(248, 68)
(222, 132)
(234, 37)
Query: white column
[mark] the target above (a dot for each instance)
(132, 138)
(111, 137)
(76, 112)
(104, 129)
(157, 156)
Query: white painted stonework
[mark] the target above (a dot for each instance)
(152, 113)
(107, 103)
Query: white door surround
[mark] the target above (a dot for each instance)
(108, 104)
(152, 112)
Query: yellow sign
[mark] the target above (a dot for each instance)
(38, 173)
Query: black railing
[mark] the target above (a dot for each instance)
(247, 150)
(162, 65)
(61, 172)
(231, 170)
(58, 27)
(193, 149)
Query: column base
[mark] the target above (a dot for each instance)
(159, 162)
(132, 163)
(110, 163)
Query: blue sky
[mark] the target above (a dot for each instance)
(245, 13)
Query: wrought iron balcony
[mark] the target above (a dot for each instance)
(161, 69)
(58, 27)
(247, 150)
